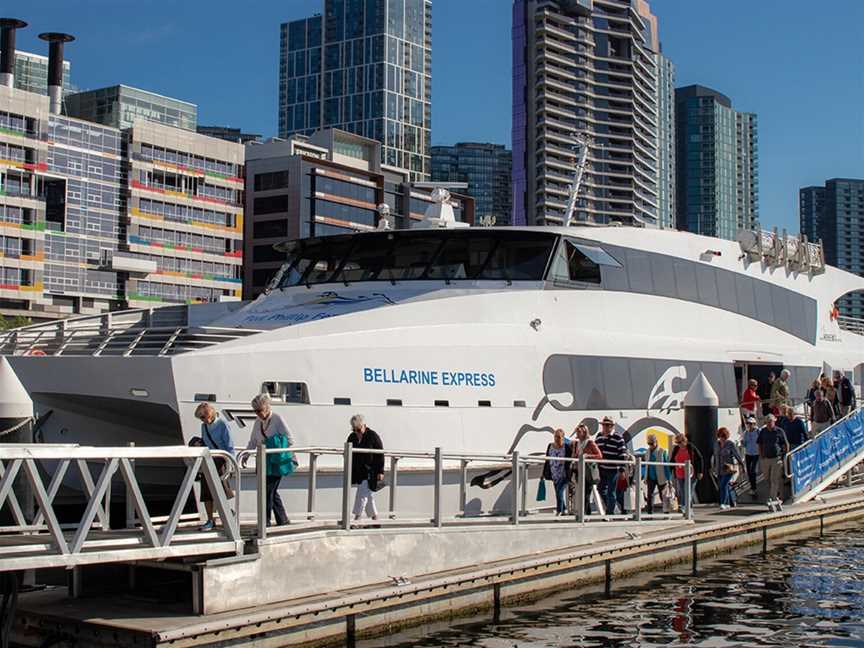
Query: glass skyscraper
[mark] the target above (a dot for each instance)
(585, 67)
(486, 168)
(717, 164)
(364, 67)
(120, 105)
(835, 214)
(665, 142)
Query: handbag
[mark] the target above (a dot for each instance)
(541, 491)
(729, 469)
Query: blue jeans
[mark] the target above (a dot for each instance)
(726, 490)
(560, 496)
(680, 488)
(607, 490)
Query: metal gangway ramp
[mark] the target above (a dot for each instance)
(43, 541)
(823, 460)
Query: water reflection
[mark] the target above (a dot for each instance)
(806, 592)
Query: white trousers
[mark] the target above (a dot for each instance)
(365, 498)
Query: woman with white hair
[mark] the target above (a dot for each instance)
(367, 469)
(268, 424)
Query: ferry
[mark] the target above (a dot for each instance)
(474, 339)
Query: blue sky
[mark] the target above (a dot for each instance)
(798, 64)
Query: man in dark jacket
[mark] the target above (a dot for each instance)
(367, 469)
(845, 394)
(794, 427)
(773, 447)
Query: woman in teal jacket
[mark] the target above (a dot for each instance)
(656, 477)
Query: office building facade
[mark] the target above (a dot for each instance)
(834, 213)
(487, 169)
(31, 73)
(331, 182)
(365, 67)
(97, 218)
(717, 164)
(121, 106)
(228, 134)
(666, 153)
(585, 67)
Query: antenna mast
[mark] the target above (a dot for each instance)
(583, 140)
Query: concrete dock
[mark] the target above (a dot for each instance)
(344, 584)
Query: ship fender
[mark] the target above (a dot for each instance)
(700, 424)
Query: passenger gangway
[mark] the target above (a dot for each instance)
(820, 462)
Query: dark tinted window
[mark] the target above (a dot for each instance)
(270, 205)
(522, 258)
(270, 229)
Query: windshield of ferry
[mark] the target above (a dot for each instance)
(414, 255)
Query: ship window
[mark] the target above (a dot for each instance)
(442, 403)
(581, 263)
(522, 258)
(484, 403)
(394, 402)
(287, 392)
(341, 401)
(205, 398)
(461, 258)
(519, 403)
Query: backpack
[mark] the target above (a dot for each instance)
(279, 464)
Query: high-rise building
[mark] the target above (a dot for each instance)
(31, 73)
(96, 218)
(717, 164)
(364, 67)
(227, 133)
(487, 170)
(120, 106)
(835, 214)
(585, 67)
(665, 142)
(331, 182)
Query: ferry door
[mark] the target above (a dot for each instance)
(745, 371)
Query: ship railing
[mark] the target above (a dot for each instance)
(823, 460)
(851, 324)
(99, 340)
(513, 469)
(31, 476)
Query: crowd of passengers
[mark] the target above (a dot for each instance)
(771, 428)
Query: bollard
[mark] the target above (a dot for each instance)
(313, 485)
(637, 495)
(463, 485)
(688, 490)
(261, 480)
(700, 424)
(514, 491)
(439, 482)
(580, 493)
(346, 485)
(394, 481)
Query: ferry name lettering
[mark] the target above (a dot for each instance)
(428, 377)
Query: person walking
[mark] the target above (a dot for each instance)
(726, 463)
(830, 393)
(216, 435)
(765, 393)
(367, 469)
(780, 393)
(821, 414)
(685, 451)
(845, 394)
(268, 425)
(583, 444)
(794, 427)
(750, 398)
(751, 452)
(613, 448)
(811, 393)
(773, 446)
(557, 471)
(656, 477)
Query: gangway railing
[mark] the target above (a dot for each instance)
(818, 463)
(45, 541)
(513, 467)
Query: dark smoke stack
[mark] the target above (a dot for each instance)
(7, 45)
(55, 67)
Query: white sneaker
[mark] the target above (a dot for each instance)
(723, 507)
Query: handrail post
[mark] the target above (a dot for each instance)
(130, 504)
(261, 479)
(313, 485)
(346, 485)
(688, 491)
(514, 480)
(524, 490)
(394, 480)
(439, 482)
(463, 485)
(637, 494)
(580, 507)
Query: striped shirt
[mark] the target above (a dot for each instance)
(613, 448)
